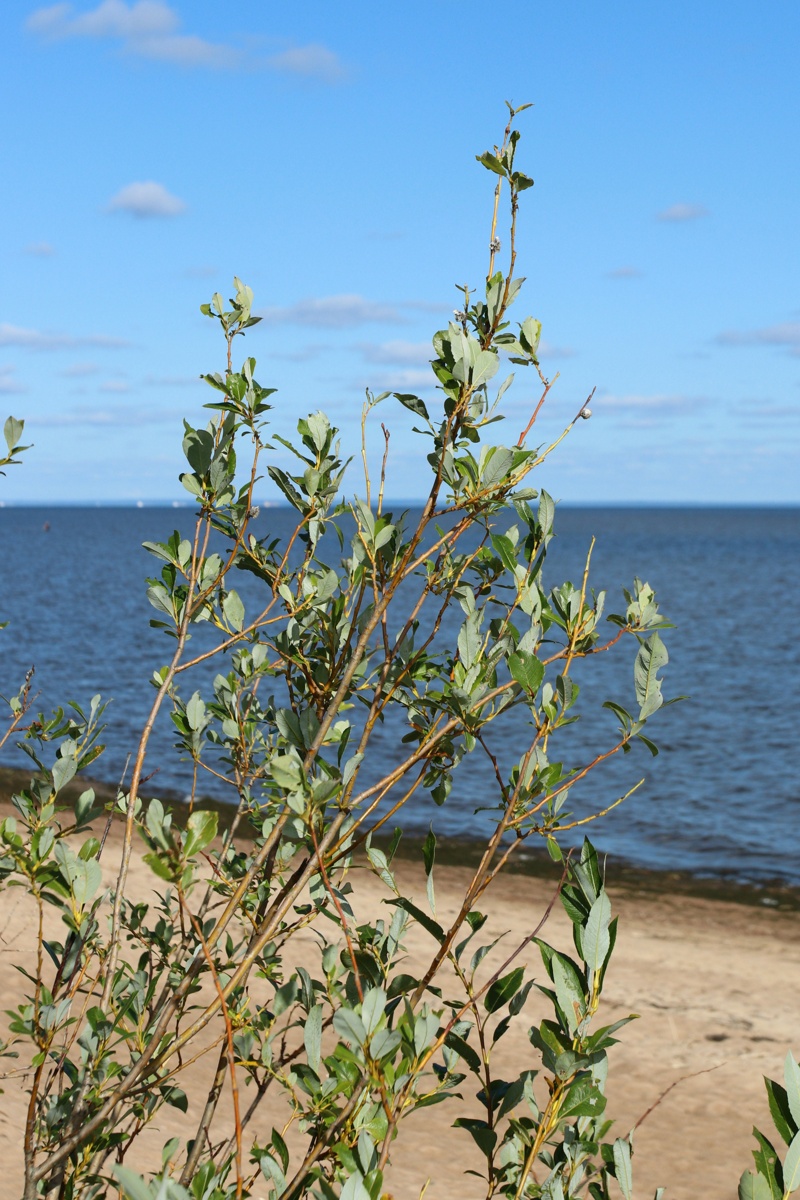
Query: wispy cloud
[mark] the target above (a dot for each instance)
(151, 29)
(40, 250)
(786, 334)
(305, 353)
(171, 381)
(400, 379)
(146, 199)
(9, 386)
(80, 370)
(188, 50)
(332, 312)
(683, 212)
(413, 379)
(397, 353)
(624, 273)
(200, 272)
(106, 415)
(114, 386)
(549, 350)
(37, 339)
(111, 18)
(664, 403)
(766, 410)
(310, 62)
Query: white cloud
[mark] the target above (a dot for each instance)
(398, 381)
(37, 339)
(80, 370)
(40, 250)
(306, 353)
(683, 212)
(311, 62)
(760, 410)
(171, 380)
(115, 386)
(661, 402)
(146, 199)
(114, 415)
(9, 386)
(548, 350)
(111, 18)
(397, 352)
(624, 273)
(785, 334)
(149, 29)
(332, 312)
(413, 379)
(188, 50)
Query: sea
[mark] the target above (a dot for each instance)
(720, 800)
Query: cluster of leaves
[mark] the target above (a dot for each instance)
(774, 1179)
(203, 970)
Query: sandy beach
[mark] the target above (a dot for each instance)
(715, 983)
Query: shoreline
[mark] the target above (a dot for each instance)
(459, 852)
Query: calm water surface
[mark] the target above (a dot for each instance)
(722, 798)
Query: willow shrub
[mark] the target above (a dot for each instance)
(204, 966)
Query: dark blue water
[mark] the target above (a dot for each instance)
(722, 798)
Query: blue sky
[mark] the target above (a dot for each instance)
(325, 154)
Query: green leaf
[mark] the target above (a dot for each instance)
(312, 1037)
(484, 1137)
(198, 446)
(768, 1164)
(469, 639)
(12, 432)
(272, 1173)
(286, 770)
(623, 1167)
(233, 609)
(465, 1051)
(176, 1097)
(504, 989)
(584, 1099)
(651, 658)
(486, 367)
(201, 829)
(596, 940)
(782, 1115)
(196, 712)
(424, 920)
(569, 992)
(372, 1009)
(492, 163)
(380, 863)
(791, 1168)
(287, 487)
(429, 856)
(504, 549)
(527, 670)
(754, 1187)
(64, 769)
(791, 1075)
(349, 1026)
(132, 1184)
(413, 403)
